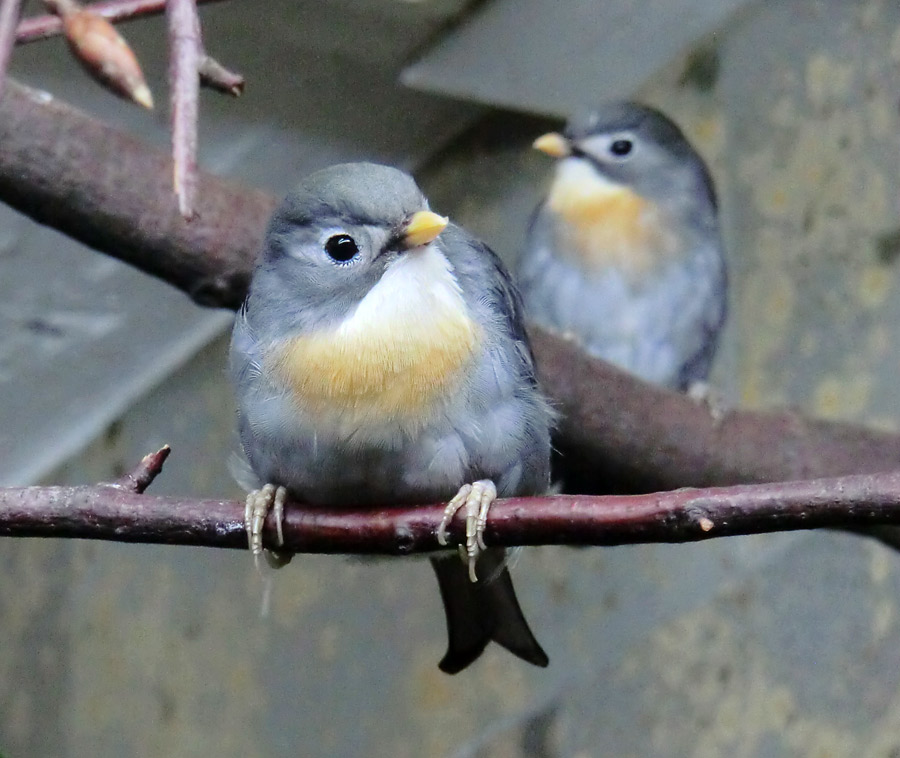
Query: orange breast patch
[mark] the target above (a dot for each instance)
(384, 373)
(604, 225)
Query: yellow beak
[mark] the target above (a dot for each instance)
(422, 227)
(553, 144)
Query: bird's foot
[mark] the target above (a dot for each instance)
(704, 394)
(259, 503)
(476, 498)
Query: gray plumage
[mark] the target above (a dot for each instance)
(489, 422)
(656, 309)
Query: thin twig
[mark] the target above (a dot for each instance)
(185, 52)
(215, 76)
(62, 8)
(36, 28)
(118, 512)
(212, 74)
(144, 473)
(9, 17)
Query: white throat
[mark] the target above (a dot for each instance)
(395, 361)
(415, 290)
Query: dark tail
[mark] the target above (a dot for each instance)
(478, 612)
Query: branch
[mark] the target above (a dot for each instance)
(215, 76)
(36, 28)
(212, 74)
(185, 53)
(112, 192)
(120, 513)
(144, 473)
(617, 433)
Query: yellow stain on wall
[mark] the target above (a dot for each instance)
(874, 285)
(770, 296)
(894, 51)
(840, 398)
(878, 342)
(827, 79)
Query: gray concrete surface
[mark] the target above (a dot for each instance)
(544, 57)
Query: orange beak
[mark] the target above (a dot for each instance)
(554, 145)
(422, 228)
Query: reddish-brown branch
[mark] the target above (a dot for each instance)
(42, 27)
(617, 433)
(119, 512)
(112, 192)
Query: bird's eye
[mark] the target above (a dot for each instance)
(621, 147)
(341, 248)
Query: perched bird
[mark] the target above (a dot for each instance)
(624, 254)
(380, 358)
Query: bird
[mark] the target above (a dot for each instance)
(380, 358)
(624, 254)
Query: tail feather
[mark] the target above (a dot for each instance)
(478, 612)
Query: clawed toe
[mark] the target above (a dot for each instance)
(476, 498)
(257, 507)
(704, 394)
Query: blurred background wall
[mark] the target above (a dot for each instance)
(782, 645)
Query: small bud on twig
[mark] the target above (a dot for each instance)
(103, 51)
(215, 76)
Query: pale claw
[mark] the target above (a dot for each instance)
(259, 503)
(476, 498)
(278, 510)
(703, 393)
(450, 511)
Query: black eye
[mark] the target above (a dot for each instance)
(341, 248)
(621, 147)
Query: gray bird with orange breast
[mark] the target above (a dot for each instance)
(380, 359)
(625, 254)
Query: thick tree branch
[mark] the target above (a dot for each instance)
(112, 192)
(119, 512)
(619, 433)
